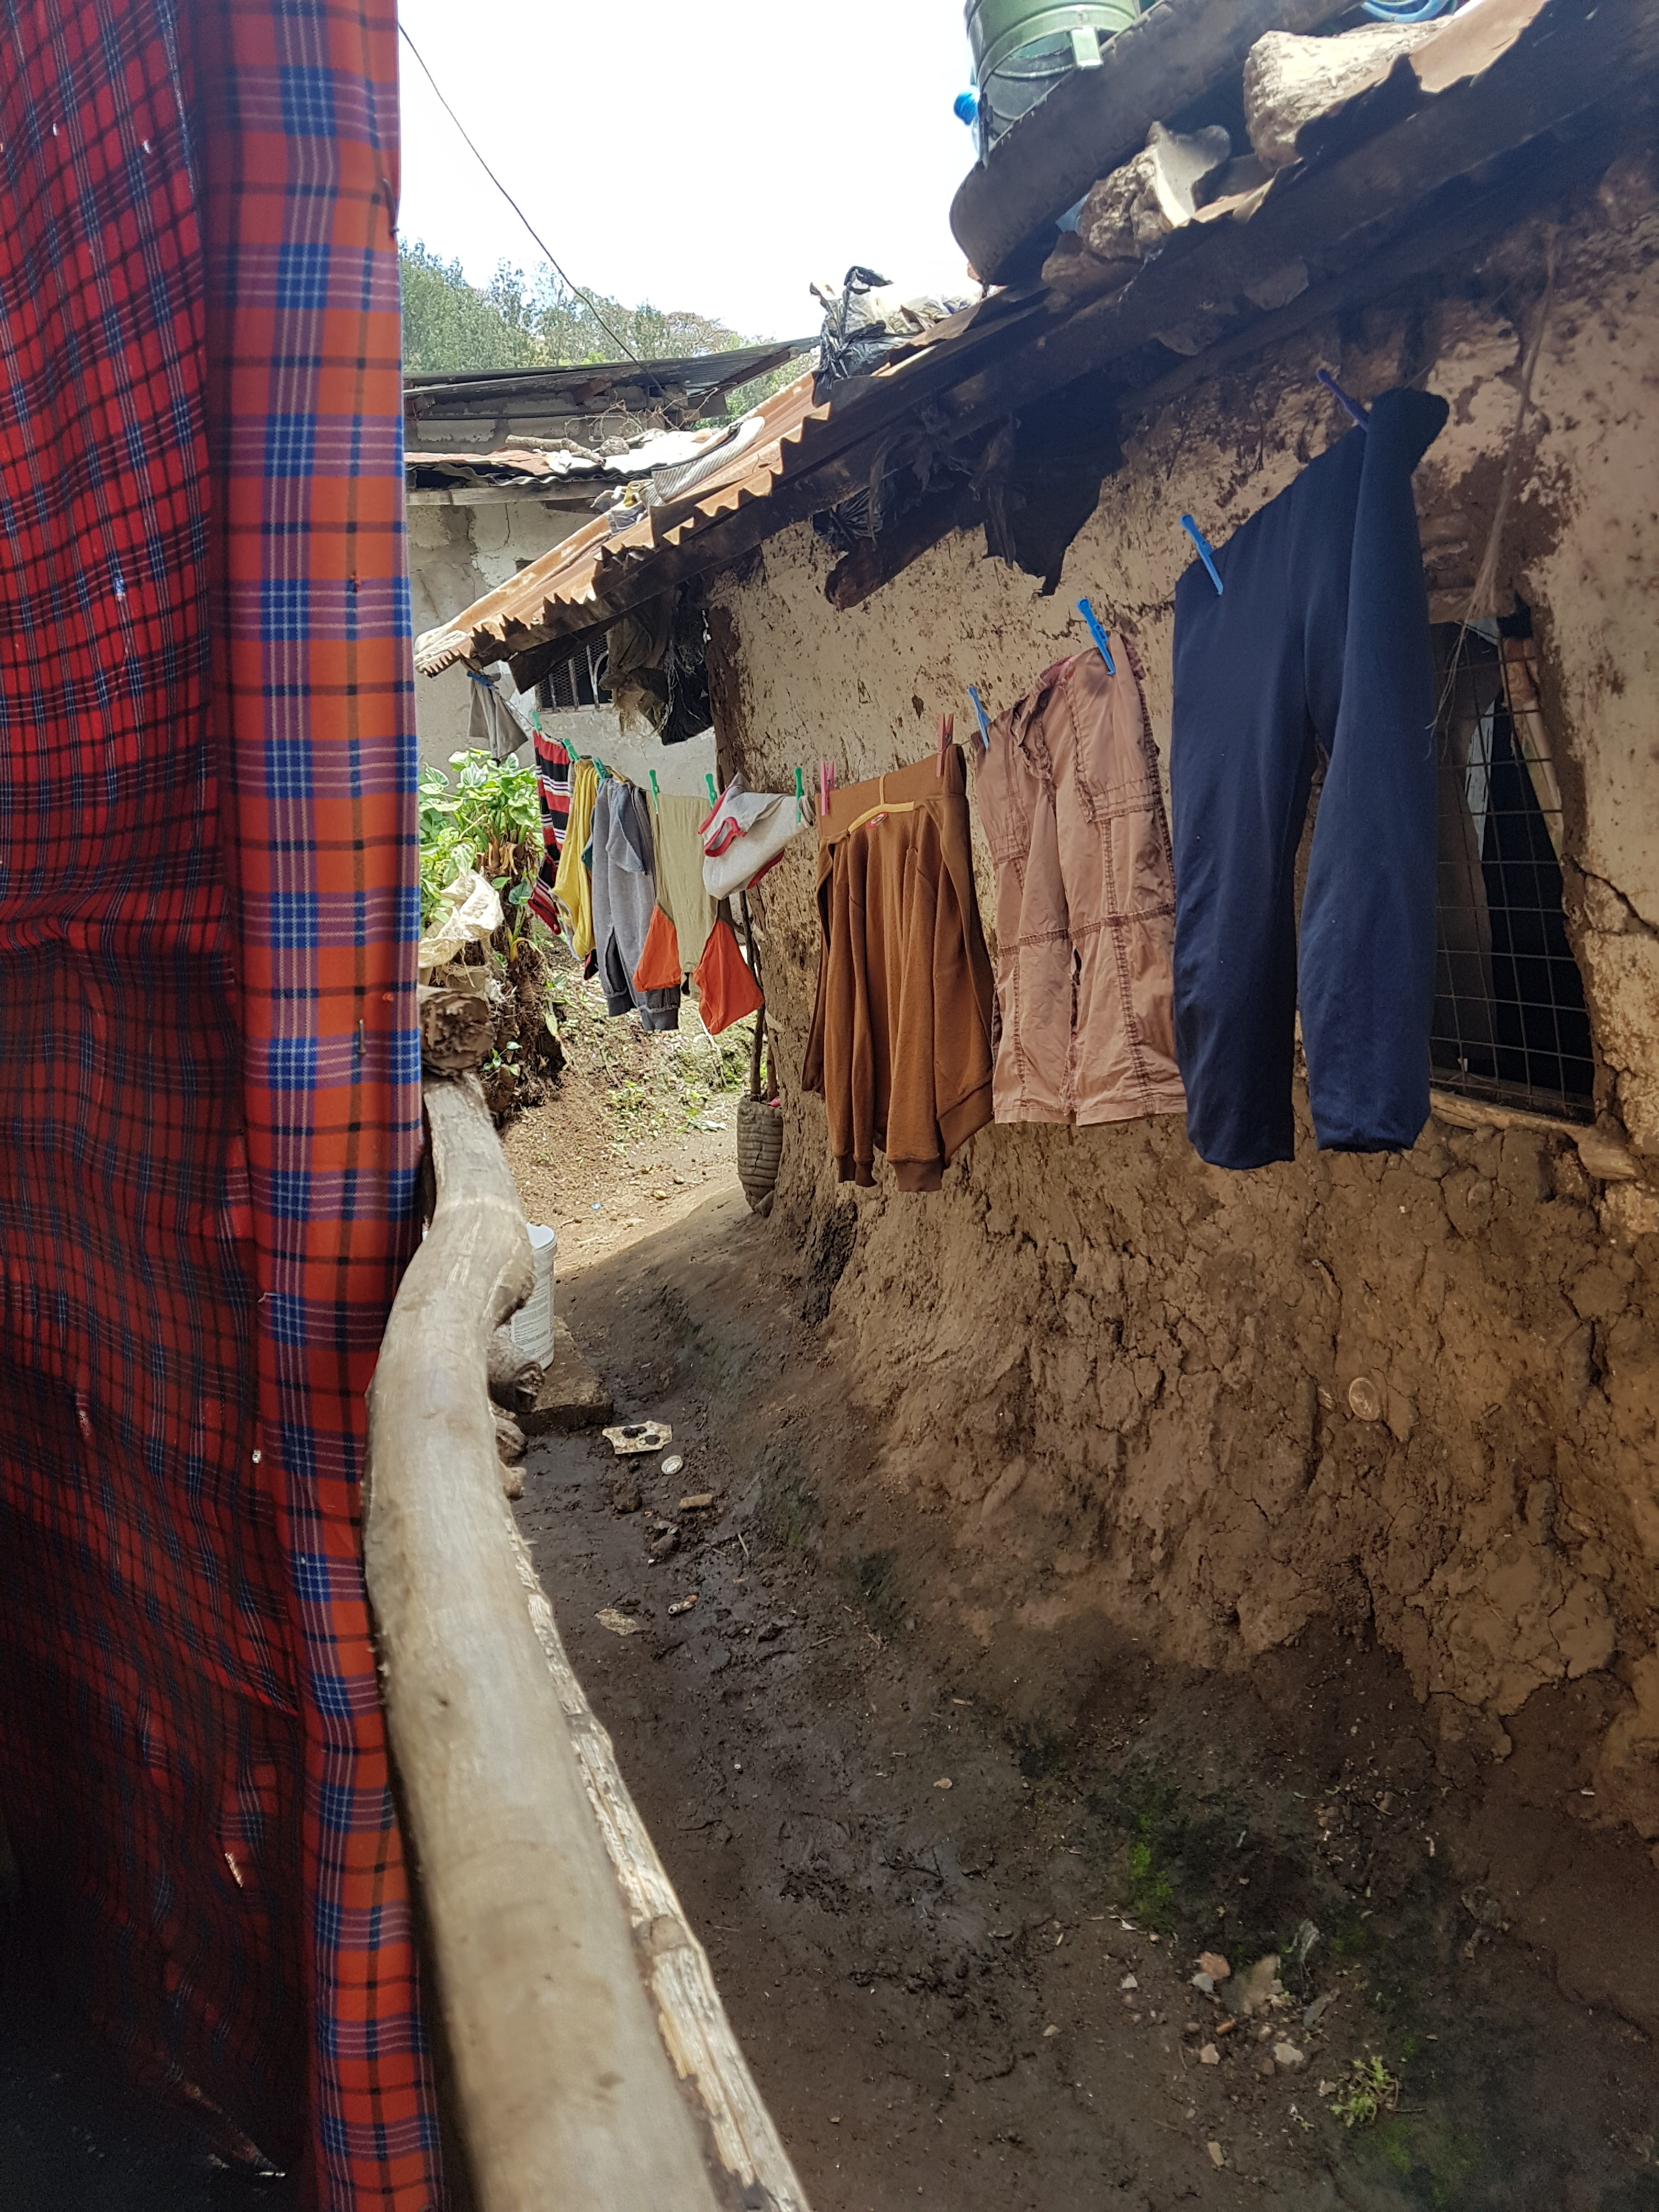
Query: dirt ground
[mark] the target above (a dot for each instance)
(957, 1876)
(636, 1132)
(957, 1873)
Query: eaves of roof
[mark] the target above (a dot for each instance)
(528, 472)
(1506, 102)
(604, 568)
(583, 387)
(573, 575)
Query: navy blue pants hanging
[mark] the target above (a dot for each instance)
(1320, 638)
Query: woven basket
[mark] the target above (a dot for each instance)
(760, 1147)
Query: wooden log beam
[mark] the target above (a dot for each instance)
(1603, 1147)
(574, 2074)
(745, 2145)
(1006, 206)
(877, 560)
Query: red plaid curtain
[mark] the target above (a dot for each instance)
(208, 1063)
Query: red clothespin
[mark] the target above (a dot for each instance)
(947, 730)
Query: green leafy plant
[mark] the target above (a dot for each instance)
(706, 1067)
(633, 1101)
(485, 814)
(1369, 2091)
(486, 817)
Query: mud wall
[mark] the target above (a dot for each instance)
(1415, 1393)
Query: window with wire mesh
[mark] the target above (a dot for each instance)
(1510, 1024)
(574, 681)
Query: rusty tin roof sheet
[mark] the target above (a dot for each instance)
(1501, 75)
(574, 571)
(533, 467)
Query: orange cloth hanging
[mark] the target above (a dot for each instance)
(726, 990)
(659, 967)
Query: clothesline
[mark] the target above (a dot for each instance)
(1139, 972)
(1126, 985)
(622, 880)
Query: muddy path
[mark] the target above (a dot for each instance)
(956, 1880)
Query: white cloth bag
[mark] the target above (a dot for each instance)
(745, 836)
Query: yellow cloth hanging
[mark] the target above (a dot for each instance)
(573, 887)
(680, 892)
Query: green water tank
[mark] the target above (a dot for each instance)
(1022, 48)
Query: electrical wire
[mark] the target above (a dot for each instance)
(1406, 11)
(546, 252)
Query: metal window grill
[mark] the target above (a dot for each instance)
(1510, 1024)
(573, 681)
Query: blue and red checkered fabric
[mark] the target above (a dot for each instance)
(209, 1057)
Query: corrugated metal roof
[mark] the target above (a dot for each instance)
(432, 400)
(596, 572)
(572, 575)
(1403, 177)
(531, 468)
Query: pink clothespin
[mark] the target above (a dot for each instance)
(947, 730)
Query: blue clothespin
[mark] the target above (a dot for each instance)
(1337, 393)
(984, 719)
(1204, 553)
(1098, 634)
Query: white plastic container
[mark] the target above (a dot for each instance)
(532, 1324)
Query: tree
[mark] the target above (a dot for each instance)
(449, 325)
(532, 322)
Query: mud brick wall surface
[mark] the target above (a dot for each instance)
(1129, 1380)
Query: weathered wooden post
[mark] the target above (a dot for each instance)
(594, 2069)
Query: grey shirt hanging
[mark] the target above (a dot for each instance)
(492, 726)
(624, 896)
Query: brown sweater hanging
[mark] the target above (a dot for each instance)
(900, 1045)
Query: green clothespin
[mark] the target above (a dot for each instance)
(655, 794)
(713, 796)
(800, 787)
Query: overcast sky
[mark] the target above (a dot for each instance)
(714, 154)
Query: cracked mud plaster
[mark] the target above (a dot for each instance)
(1127, 1380)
